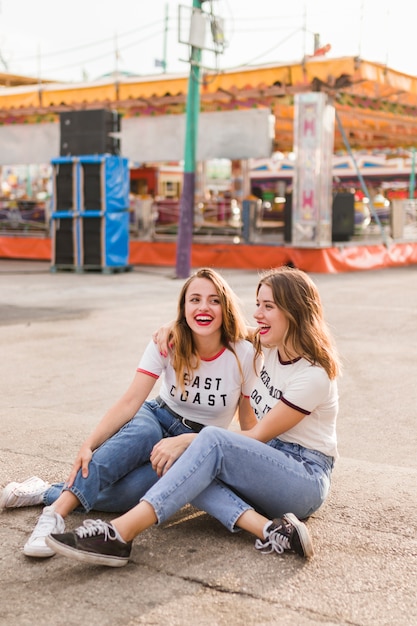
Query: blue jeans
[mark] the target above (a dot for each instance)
(225, 474)
(120, 473)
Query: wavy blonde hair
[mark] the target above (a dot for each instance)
(298, 298)
(185, 357)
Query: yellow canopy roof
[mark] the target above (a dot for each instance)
(377, 105)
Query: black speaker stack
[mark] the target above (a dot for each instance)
(288, 218)
(343, 216)
(95, 131)
(90, 216)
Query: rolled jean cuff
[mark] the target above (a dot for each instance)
(78, 494)
(232, 526)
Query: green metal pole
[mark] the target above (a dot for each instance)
(186, 219)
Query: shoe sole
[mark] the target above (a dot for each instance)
(303, 534)
(34, 553)
(85, 557)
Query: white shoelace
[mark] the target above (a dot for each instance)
(91, 527)
(275, 542)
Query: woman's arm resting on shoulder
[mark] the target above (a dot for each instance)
(118, 415)
(168, 450)
(162, 338)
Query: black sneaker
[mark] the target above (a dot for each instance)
(286, 533)
(94, 542)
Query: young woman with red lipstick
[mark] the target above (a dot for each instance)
(206, 378)
(264, 479)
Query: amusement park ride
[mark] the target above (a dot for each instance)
(376, 106)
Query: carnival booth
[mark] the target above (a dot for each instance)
(309, 215)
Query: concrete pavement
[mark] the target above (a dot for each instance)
(69, 347)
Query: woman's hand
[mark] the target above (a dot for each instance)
(162, 338)
(81, 462)
(168, 450)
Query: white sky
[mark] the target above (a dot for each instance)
(72, 40)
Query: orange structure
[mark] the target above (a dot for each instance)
(376, 105)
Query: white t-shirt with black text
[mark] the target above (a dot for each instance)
(212, 395)
(306, 388)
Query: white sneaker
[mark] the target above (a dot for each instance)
(28, 493)
(49, 522)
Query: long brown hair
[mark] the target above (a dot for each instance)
(298, 298)
(185, 357)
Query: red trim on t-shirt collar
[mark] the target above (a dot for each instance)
(216, 356)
